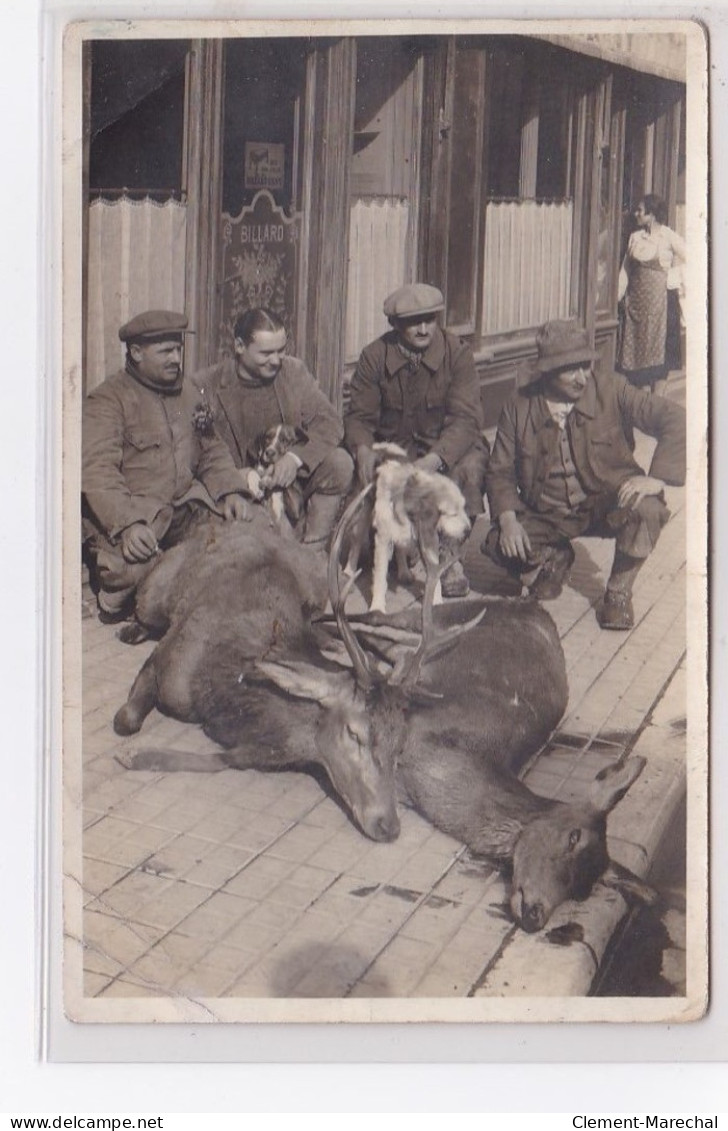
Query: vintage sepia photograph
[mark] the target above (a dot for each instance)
(385, 521)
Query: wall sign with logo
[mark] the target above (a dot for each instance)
(260, 264)
(264, 164)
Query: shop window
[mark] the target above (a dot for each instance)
(136, 229)
(383, 182)
(528, 205)
(264, 82)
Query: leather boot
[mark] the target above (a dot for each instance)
(553, 573)
(616, 610)
(322, 512)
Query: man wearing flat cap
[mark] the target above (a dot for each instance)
(416, 386)
(152, 464)
(563, 465)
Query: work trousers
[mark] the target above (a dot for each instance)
(469, 475)
(635, 530)
(116, 578)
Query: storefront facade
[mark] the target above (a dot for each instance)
(316, 175)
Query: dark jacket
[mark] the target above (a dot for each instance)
(301, 403)
(600, 431)
(142, 452)
(436, 409)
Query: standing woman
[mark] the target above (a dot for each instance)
(649, 285)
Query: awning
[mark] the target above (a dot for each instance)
(651, 52)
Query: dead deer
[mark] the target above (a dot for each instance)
(453, 699)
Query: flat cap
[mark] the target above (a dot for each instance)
(413, 299)
(562, 343)
(154, 324)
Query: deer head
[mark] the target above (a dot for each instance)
(359, 764)
(361, 726)
(562, 852)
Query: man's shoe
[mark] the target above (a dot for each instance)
(454, 582)
(616, 611)
(553, 573)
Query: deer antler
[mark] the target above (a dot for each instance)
(363, 668)
(431, 643)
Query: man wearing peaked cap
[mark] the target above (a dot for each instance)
(563, 465)
(416, 386)
(152, 464)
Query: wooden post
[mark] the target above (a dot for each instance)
(204, 172)
(436, 129)
(330, 126)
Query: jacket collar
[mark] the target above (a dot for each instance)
(163, 390)
(432, 358)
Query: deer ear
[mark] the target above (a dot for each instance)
(611, 784)
(628, 884)
(304, 681)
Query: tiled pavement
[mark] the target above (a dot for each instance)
(251, 885)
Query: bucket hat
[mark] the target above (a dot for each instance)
(561, 344)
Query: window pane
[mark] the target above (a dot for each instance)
(553, 137)
(137, 115)
(505, 98)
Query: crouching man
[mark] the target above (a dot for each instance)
(152, 465)
(262, 386)
(563, 466)
(416, 386)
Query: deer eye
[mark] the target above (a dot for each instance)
(574, 838)
(353, 733)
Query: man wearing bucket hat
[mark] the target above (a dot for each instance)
(563, 466)
(416, 386)
(152, 463)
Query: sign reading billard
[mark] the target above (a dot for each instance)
(260, 263)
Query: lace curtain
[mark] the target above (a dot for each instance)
(527, 263)
(377, 266)
(136, 262)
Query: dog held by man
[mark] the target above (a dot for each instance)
(284, 504)
(563, 465)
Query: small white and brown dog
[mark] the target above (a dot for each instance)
(285, 504)
(413, 509)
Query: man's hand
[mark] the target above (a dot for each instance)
(430, 462)
(138, 543)
(235, 509)
(637, 488)
(283, 472)
(366, 462)
(513, 541)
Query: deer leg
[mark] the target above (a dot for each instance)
(166, 760)
(254, 757)
(382, 556)
(142, 697)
